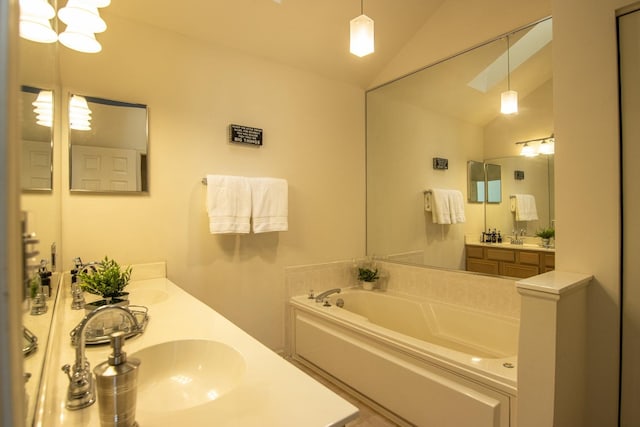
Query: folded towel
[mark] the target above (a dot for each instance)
(228, 204)
(270, 201)
(526, 207)
(440, 207)
(456, 206)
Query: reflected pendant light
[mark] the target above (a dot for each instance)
(547, 146)
(361, 34)
(528, 151)
(44, 108)
(34, 21)
(83, 21)
(79, 113)
(509, 98)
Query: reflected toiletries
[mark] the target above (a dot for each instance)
(117, 384)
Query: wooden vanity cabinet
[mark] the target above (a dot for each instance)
(513, 262)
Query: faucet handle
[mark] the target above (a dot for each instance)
(311, 296)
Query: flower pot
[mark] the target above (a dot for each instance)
(546, 243)
(122, 300)
(367, 286)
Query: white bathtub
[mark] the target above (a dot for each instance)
(427, 363)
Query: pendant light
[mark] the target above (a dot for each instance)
(509, 98)
(44, 108)
(547, 146)
(528, 151)
(79, 113)
(34, 21)
(83, 21)
(361, 34)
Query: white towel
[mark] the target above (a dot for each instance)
(270, 204)
(526, 207)
(456, 206)
(228, 204)
(440, 207)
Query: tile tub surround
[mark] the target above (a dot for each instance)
(272, 392)
(490, 294)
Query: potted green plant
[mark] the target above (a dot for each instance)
(546, 234)
(367, 277)
(108, 280)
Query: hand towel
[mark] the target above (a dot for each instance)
(456, 206)
(440, 207)
(228, 204)
(526, 207)
(270, 204)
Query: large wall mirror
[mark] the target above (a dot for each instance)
(108, 145)
(40, 200)
(452, 110)
(36, 169)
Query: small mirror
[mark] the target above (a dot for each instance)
(108, 145)
(37, 143)
(494, 183)
(475, 182)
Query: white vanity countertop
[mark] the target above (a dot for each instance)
(272, 392)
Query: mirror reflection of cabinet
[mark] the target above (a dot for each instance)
(110, 153)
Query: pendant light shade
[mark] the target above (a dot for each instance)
(509, 98)
(362, 40)
(361, 34)
(509, 102)
(80, 40)
(82, 14)
(34, 21)
(79, 113)
(44, 108)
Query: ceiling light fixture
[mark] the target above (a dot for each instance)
(34, 21)
(509, 98)
(361, 32)
(44, 108)
(81, 17)
(545, 146)
(79, 113)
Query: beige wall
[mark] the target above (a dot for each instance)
(587, 182)
(313, 137)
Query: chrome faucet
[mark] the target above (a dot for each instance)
(325, 294)
(82, 390)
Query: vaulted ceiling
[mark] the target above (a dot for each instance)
(308, 34)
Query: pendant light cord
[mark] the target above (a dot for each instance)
(361, 7)
(508, 65)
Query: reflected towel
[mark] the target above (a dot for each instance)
(270, 204)
(440, 207)
(456, 206)
(526, 207)
(228, 204)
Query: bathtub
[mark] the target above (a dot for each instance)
(421, 362)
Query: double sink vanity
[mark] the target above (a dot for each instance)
(506, 259)
(197, 368)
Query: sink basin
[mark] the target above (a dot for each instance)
(183, 374)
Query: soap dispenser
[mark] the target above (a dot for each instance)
(117, 384)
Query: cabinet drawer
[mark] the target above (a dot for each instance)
(501, 254)
(532, 258)
(475, 252)
(483, 266)
(518, 270)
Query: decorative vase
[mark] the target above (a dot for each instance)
(122, 300)
(546, 243)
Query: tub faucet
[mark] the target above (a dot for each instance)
(325, 294)
(82, 389)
